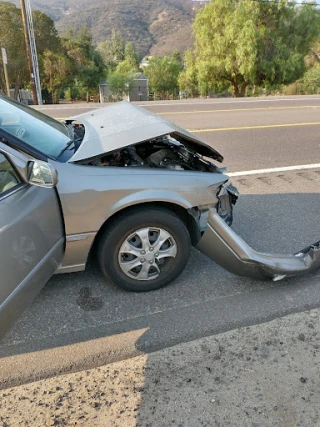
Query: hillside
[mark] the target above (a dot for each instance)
(156, 27)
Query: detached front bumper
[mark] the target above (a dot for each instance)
(220, 243)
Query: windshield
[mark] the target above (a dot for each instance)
(36, 129)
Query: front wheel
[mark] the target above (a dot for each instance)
(144, 250)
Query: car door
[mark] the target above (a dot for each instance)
(31, 236)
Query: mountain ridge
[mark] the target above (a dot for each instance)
(155, 27)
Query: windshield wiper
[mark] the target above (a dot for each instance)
(76, 143)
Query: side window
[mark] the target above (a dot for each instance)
(8, 176)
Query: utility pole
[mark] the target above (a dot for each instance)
(31, 51)
(27, 39)
(5, 63)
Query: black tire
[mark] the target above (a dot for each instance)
(127, 224)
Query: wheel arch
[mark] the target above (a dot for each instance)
(188, 216)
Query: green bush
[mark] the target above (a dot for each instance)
(311, 80)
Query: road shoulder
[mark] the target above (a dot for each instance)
(261, 375)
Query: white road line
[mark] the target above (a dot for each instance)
(282, 169)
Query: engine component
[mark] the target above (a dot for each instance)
(156, 158)
(163, 152)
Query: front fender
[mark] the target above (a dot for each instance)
(149, 196)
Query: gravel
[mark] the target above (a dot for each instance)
(259, 376)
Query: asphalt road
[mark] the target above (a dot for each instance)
(80, 321)
(251, 133)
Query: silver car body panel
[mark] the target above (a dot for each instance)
(123, 124)
(31, 241)
(227, 249)
(90, 195)
(77, 249)
(12, 307)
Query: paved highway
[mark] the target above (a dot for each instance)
(79, 320)
(251, 133)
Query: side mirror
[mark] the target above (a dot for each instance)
(42, 174)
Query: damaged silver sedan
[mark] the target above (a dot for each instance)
(120, 184)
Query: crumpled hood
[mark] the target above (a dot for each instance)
(122, 124)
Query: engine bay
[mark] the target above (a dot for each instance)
(162, 152)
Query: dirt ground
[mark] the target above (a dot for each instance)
(258, 376)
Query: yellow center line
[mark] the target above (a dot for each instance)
(232, 110)
(254, 127)
(243, 127)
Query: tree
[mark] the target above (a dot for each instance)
(120, 80)
(177, 56)
(82, 37)
(62, 61)
(112, 50)
(242, 42)
(45, 33)
(57, 69)
(226, 42)
(311, 80)
(313, 56)
(130, 64)
(76, 64)
(12, 38)
(120, 84)
(188, 78)
(287, 32)
(163, 74)
(88, 67)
